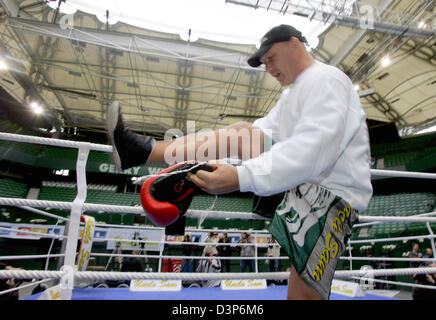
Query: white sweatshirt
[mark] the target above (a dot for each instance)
(320, 136)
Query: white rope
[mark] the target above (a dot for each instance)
(404, 174)
(391, 239)
(105, 275)
(43, 213)
(385, 272)
(398, 283)
(24, 257)
(396, 219)
(417, 260)
(55, 142)
(30, 274)
(47, 261)
(178, 276)
(30, 284)
(192, 213)
(185, 257)
(123, 209)
(68, 205)
(208, 210)
(360, 225)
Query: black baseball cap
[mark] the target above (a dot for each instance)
(280, 33)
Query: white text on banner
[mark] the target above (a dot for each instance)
(155, 285)
(252, 284)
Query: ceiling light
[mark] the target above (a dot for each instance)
(36, 107)
(3, 65)
(421, 25)
(38, 110)
(385, 61)
(356, 87)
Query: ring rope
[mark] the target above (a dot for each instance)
(55, 142)
(191, 213)
(122, 209)
(39, 256)
(404, 174)
(366, 224)
(185, 257)
(388, 259)
(396, 219)
(31, 284)
(43, 213)
(399, 283)
(386, 272)
(201, 243)
(111, 275)
(392, 239)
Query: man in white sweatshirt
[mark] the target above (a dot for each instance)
(319, 155)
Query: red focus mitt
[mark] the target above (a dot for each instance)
(166, 198)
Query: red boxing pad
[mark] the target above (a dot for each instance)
(160, 213)
(166, 198)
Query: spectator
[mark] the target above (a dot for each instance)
(428, 254)
(39, 288)
(247, 250)
(133, 264)
(425, 279)
(209, 264)
(187, 249)
(273, 252)
(225, 251)
(6, 284)
(118, 259)
(130, 264)
(415, 254)
(211, 238)
(196, 249)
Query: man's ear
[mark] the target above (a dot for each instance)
(295, 42)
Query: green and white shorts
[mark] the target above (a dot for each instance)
(312, 225)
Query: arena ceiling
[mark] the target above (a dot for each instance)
(75, 66)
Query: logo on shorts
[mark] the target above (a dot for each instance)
(303, 212)
(332, 247)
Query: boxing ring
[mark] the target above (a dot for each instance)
(74, 271)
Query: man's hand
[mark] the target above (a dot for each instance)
(221, 181)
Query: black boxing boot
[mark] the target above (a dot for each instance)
(129, 149)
